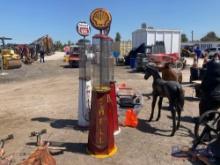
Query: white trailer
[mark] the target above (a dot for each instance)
(171, 38)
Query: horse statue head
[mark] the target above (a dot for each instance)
(150, 71)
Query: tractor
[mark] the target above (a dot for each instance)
(10, 59)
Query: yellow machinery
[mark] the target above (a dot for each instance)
(10, 59)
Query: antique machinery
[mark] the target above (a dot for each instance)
(9, 58)
(46, 42)
(101, 141)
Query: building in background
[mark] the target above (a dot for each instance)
(201, 44)
(122, 47)
(149, 36)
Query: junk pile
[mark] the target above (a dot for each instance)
(130, 102)
(206, 144)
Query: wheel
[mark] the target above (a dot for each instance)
(207, 127)
(177, 65)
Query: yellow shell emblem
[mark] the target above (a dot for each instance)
(100, 18)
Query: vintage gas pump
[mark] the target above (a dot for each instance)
(84, 99)
(101, 142)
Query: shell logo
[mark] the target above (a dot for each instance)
(100, 19)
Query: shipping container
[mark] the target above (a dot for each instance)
(171, 38)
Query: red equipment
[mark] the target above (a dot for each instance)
(163, 58)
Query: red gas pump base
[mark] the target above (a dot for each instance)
(101, 142)
(114, 108)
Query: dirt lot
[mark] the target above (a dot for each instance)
(39, 96)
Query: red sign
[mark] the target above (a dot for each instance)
(83, 29)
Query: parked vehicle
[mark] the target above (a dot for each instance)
(74, 56)
(188, 51)
(212, 51)
(9, 58)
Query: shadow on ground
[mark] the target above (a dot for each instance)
(68, 67)
(187, 84)
(148, 95)
(187, 119)
(60, 123)
(80, 148)
(188, 98)
(145, 126)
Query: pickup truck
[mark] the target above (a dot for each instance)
(74, 56)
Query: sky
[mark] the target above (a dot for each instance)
(27, 20)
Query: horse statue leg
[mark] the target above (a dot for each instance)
(152, 107)
(159, 107)
(178, 109)
(173, 112)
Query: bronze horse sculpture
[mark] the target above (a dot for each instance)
(170, 74)
(170, 89)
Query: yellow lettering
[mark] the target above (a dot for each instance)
(109, 100)
(100, 137)
(101, 111)
(100, 121)
(101, 100)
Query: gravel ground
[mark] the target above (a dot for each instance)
(39, 96)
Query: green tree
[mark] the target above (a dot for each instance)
(118, 37)
(184, 38)
(210, 36)
(58, 45)
(69, 43)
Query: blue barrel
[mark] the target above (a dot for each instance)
(132, 62)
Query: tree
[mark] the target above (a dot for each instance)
(210, 36)
(118, 37)
(184, 38)
(69, 43)
(58, 45)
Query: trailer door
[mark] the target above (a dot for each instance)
(168, 42)
(176, 43)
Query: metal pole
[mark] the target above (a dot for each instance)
(2, 66)
(84, 56)
(1, 63)
(192, 35)
(100, 59)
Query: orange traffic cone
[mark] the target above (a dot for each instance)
(130, 118)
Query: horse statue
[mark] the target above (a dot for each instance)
(170, 74)
(170, 89)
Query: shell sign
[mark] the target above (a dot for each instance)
(100, 19)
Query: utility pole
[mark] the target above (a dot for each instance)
(192, 35)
